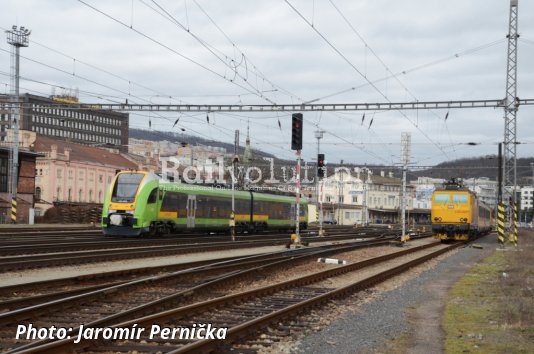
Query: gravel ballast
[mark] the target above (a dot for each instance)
(369, 327)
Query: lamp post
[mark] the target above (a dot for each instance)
(17, 37)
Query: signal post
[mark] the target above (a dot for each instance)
(296, 144)
(320, 175)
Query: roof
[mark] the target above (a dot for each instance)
(84, 153)
(375, 179)
(22, 152)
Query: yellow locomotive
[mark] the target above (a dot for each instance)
(457, 213)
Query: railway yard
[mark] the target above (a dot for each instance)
(257, 293)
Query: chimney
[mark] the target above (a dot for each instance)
(53, 151)
(382, 174)
(66, 152)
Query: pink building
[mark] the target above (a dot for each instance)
(71, 172)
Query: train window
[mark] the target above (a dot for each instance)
(126, 187)
(459, 198)
(173, 201)
(442, 198)
(152, 197)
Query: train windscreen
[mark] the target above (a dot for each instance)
(126, 187)
(442, 198)
(460, 199)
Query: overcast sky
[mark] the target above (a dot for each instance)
(252, 52)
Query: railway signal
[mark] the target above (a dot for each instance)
(296, 144)
(320, 165)
(296, 131)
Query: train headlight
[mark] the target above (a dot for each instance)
(438, 219)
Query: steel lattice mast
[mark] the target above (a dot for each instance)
(511, 105)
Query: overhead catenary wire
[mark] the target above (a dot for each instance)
(363, 76)
(161, 44)
(371, 50)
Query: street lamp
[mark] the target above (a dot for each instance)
(17, 38)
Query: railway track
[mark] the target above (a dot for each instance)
(120, 250)
(266, 309)
(124, 300)
(21, 246)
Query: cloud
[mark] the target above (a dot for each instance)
(418, 37)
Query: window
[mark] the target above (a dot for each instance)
(126, 187)
(90, 195)
(3, 174)
(459, 198)
(442, 198)
(80, 195)
(153, 196)
(38, 193)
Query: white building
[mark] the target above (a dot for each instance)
(527, 198)
(484, 188)
(359, 197)
(343, 196)
(424, 187)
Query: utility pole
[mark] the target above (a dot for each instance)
(405, 160)
(511, 105)
(17, 38)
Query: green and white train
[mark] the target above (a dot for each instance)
(140, 203)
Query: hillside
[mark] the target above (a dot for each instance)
(178, 138)
(483, 166)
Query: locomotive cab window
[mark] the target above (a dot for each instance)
(152, 197)
(126, 187)
(459, 198)
(442, 198)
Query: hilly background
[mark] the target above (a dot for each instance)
(482, 166)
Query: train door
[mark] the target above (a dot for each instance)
(191, 210)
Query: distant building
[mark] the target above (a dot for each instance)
(527, 198)
(26, 186)
(424, 187)
(484, 188)
(358, 197)
(84, 126)
(198, 155)
(343, 198)
(70, 172)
